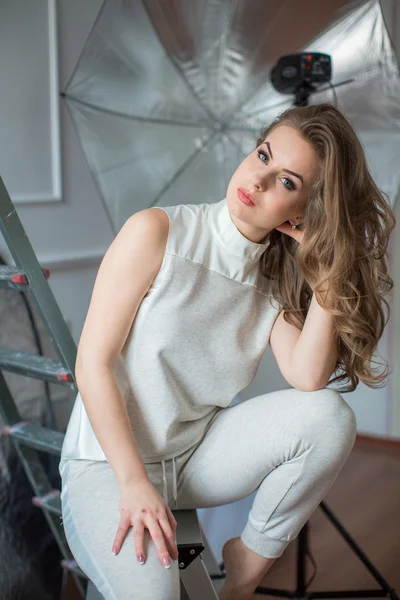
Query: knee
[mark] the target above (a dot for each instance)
(332, 420)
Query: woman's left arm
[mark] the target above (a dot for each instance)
(315, 354)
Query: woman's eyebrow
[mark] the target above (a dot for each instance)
(287, 170)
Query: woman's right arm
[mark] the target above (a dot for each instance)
(124, 277)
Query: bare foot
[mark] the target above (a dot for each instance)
(244, 570)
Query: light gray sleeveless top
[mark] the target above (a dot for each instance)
(196, 341)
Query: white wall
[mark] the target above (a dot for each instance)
(391, 13)
(71, 236)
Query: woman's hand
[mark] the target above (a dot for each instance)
(142, 506)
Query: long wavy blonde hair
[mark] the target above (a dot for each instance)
(347, 224)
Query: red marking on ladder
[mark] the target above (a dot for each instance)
(39, 500)
(7, 429)
(64, 376)
(19, 278)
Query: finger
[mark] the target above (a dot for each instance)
(138, 540)
(169, 535)
(158, 538)
(171, 518)
(120, 535)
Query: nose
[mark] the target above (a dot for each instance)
(260, 181)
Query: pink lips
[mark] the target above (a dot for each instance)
(245, 197)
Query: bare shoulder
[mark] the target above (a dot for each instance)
(145, 231)
(155, 218)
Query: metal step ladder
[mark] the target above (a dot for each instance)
(196, 561)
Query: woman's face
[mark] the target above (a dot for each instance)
(279, 196)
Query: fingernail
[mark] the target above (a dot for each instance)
(140, 558)
(114, 550)
(166, 562)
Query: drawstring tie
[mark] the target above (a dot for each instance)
(174, 483)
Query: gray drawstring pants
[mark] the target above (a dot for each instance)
(289, 445)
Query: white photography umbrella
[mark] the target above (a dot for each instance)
(169, 96)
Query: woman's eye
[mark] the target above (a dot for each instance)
(292, 186)
(260, 153)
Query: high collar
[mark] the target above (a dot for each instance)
(229, 236)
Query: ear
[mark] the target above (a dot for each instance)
(296, 220)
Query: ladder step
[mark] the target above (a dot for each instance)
(50, 502)
(34, 365)
(188, 528)
(37, 437)
(12, 278)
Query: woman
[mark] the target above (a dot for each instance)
(201, 290)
